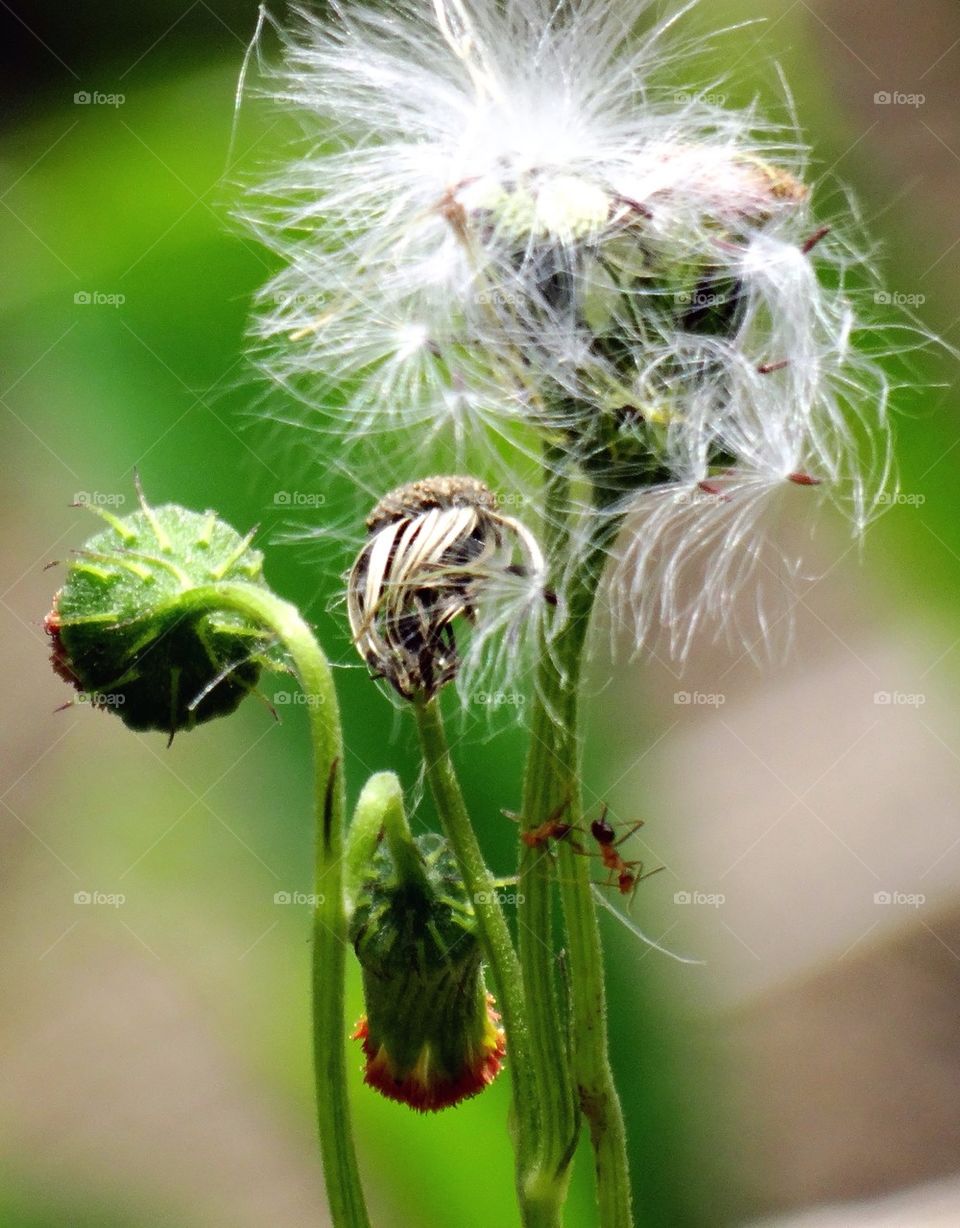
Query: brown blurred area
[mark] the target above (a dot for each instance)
(839, 1038)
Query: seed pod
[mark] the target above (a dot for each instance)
(436, 548)
(123, 630)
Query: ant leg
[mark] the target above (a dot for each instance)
(626, 835)
(515, 816)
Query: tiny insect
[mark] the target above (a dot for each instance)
(626, 876)
(552, 828)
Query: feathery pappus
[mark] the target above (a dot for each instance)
(508, 223)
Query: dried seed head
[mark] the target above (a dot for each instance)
(437, 548)
(440, 492)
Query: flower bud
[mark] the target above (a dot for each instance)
(124, 630)
(430, 1035)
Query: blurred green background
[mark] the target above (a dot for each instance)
(156, 1054)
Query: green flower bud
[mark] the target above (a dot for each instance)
(430, 1034)
(126, 633)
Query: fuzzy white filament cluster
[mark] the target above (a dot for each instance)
(508, 224)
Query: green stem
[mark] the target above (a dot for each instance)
(553, 779)
(344, 1192)
(545, 794)
(541, 1193)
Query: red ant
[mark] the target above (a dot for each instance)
(623, 874)
(552, 828)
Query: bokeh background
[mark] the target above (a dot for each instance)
(155, 1052)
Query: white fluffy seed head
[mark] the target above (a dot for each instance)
(505, 222)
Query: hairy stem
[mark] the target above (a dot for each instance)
(344, 1192)
(545, 794)
(552, 782)
(541, 1192)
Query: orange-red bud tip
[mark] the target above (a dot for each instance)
(425, 1088)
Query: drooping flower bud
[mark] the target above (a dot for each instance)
(125, 633)
(437, 548)
(430, 1034)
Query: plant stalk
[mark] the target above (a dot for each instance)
(341, 1172)
(541, 1191)
(553, 780)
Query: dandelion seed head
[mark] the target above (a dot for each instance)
(506, 229)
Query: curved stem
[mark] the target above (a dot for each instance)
(553, 780)
(540, 1191)
(344, 1192)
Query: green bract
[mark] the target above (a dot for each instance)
(430, 1033)
(126, 633)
